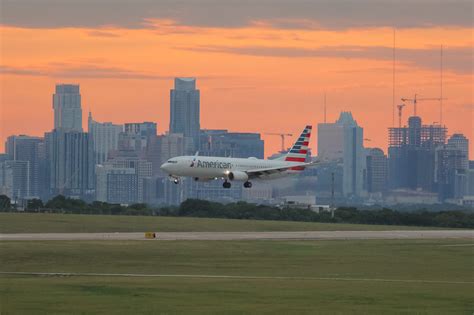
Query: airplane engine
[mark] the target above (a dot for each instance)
(238, 175)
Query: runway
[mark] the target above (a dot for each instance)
(228, 236)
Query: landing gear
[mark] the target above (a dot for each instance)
(226, 184)
(174, 179)
(248, 185)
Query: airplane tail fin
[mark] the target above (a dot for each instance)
(299, 150)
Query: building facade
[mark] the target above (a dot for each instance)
(344, 140)
(451, 176)
(70, 157)
(30, 150)
(105, 137)
(15, 179)
(460, 142)
(116, 184)
(185, 109)
(67, 108)
(411, 155)
(143, 129)
(377, 171)
(231, 144)
(122, 180)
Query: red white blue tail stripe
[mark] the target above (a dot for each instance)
(300, 149)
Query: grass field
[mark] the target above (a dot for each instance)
(42, 223)
(377, 277)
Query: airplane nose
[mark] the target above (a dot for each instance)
(165, 167)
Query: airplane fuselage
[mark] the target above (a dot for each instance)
(207, 167)
(204, 168)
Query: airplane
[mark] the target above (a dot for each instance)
(206, 168)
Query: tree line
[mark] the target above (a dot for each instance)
(244, 210)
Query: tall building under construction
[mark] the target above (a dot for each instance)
(412, 154)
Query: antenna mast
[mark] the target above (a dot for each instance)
(441, 86)
(324, 107)
(393, 83)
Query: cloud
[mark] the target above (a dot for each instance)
(102, 34)
(456, 59)
(88, 71)
(20, 71)
(295, 14)
(63, 70)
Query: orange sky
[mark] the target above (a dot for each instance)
(252, 78)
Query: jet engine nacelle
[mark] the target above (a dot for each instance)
(238, 175)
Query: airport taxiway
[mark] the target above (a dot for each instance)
(224, 236)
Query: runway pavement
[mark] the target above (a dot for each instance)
(222, 236)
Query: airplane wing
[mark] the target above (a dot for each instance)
(275, 170)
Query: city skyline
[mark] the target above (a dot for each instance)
(259, 72)
(86, 126)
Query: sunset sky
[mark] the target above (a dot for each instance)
(261, 66)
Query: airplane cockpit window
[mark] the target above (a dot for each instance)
(172, 161)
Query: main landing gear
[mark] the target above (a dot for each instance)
(227, 184)
(174, 179)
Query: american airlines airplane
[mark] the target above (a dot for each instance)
(206, 168)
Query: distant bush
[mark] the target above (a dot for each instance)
(244, 210)
(5, 203)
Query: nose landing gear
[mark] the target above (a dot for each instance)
(226, 184)
(248, 185)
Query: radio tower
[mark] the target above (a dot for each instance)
(393, 83)
(324, 107)
(441, 86)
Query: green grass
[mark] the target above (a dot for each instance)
(42, 223)
(343, 262)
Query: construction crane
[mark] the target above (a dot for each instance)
(415, 100)
(400, 108)
(282, 135)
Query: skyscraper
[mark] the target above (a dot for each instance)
(105, 137)
(411, 154)
(14, 179)
(67, 108)
(116, 184)
(377, 170)
(185, 109)
(143, 129)
(344, 139)
(136, 137)
(460, 142)
(234, 144)
(450, 172)
(122, 180)
(71, 163)
(28, 149)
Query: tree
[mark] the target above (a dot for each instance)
(5, 202)
(34, 204)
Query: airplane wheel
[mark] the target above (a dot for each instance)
(226, 185)
(176, 181)
(248, 185)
